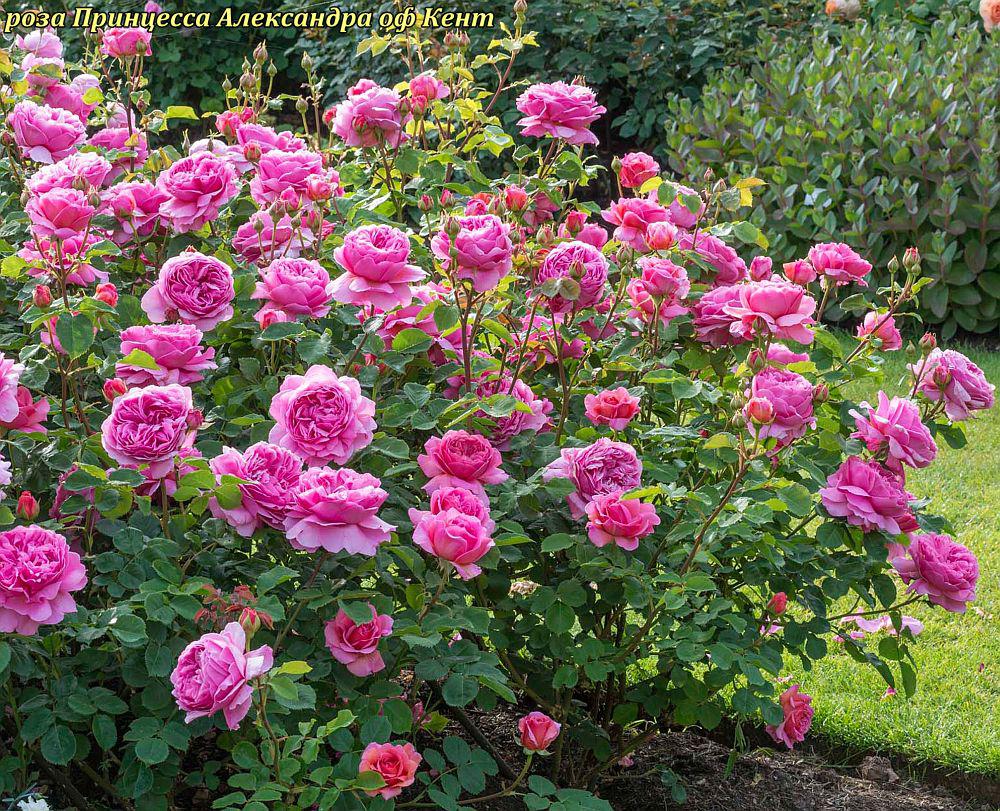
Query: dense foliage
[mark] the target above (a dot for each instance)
(325, 437)
(887, 136)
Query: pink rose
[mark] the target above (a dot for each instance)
(867, 495)
(455, 537)
(45, 134)
(262, 239)
(612, 519)
(713, 319)
(631, 216)
(295, 287)
(196, 188)
(80, 167)
(882, 327)
(559, 110)
(69, 97)
(482, 251)
(839, 262)
(214, 673)
(44, 43)
(149, 426)
(267, 138)
(776, 308)
(425, 88)
(357, 645)
(760, 269)
(10, 377)
(799, 272)
(661, 236)
(505, 428)
(791, 395)
(950, 376)
(538, 731)
(68, 256)
(894, 428)
(59, 214)
(370, 118)
(279, 172)
(461, 459)
(779, 354)
(396, 765)
(126, 42)
(581, 262)
(798, 711)
(30, 415)
(679, 214)
(336, 510)
(321, 417)
(945, 571)
(38, 574)
(136, 206)
(192, 288)
(729, 267)
(603, 468)
(612, 407)
(271, 476)
(122, 139)
(176, 350)
(646, 305)
(417, 315)
(636, 169)
(229, 121)
(456, 498)
(375, 260)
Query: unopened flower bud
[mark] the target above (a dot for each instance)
(94, 199)
(515, 198)
(260, 53)
(318, 188)
(941, 377)
(252, 152)
(425, 203)
(760, 411)
(760, 268)
(247, 81)
(290, 199)
(911, 258)
(893, 265)
(6, 138)
(545, 236)
(107, 293)
(41, 296)
(756, 360)
(660, 236)
(520, 7)
(195, 418)
(616, 165)
(452, 227)
(113, 388)
(928, 343)
(27, 506)
(307, 62)
(450, 39)
(709, 175)
(249, 622)
(777, 604)
(301, 105)
(446, 198)
(821, 393)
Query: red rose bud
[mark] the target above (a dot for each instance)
(250, 622)
(756, 360)
(821, 393)
(799, 272)
(911, 258)
(107, 293)
(760, 410)
(776, 605)
(113, 388)
(41, 297)
(660, 236)
(195, 418)
(252, 152)
(928, 343)
(446, 197)
(425, 203)
(27, 506)
(515, 198)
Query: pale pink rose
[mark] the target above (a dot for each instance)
(482, 250)
(559, 110)
(375, 259)
(950, 376)
(60, 214)
(679, 214)
(612, 407)
(397, 766)
(882, 327)
(938, 567)
(271, 476)
(295, 287)
(461, 459)
(136, 206)
(713, 321)
(126, 42)
(176, 349)
(624, 522)
(791, 395)
(776, 308)
(370, 118)
(456, 498)
(636, 169)
(337, 510)
(581, 262)
(45, 43)
(122, 139)
(455, 537)
(321, 417)
(30, 416)
(45, 134)
(214, 673)
(192, 288)
(10, 378)
(839, 263)
(262, 239)
(425, 88)
(729, 267)
(869, 496)
(538, 731)
(278, 172)
(799, 272)
(631, 217)
(267, 138)
(149, 426)
(357, 645)
(196, 188)
(603, 468)
(798, 711)
(894, 429)
(38, 573)
(80, 167)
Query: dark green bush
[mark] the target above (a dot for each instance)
(887, 137)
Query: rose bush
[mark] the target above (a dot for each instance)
(471, 451)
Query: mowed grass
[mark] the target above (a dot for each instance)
(954, 718)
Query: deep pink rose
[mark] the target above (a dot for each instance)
(214, 673)
(636, 169)
(461, 459)
(581, 262)
(295, 287)
(894, 429)
(454, 536)
(59, 214)
(149, 426)
(517, 421)
(729, 267)
(869, 496)
(631, 216)
(612, 407)
(176, 349)
(559, 110)
(271, 477)
(663, 279)
(80, 167)
(122, 139)
(45, 134)
(777, 308)
(375, 259)
(38, 574)
(196, 188)
(624, 522)
(262, 239)
(713, 319)
(679, 214)
(267, 138)
(882, 327)
(456, 498)
(603, 468)
(538, 731)
(425, 88)
(10, 377)
(357, 645)
(126, 42)
(792, 397)
(397, 765)
(278, 172)
(337, 510)
(229, 121)
(192, 288)
(371, 117)
(30, 416)
(839, 262)
(950, 376)
(945, 571)
(321, 417)
(661, 236)
(136, 206)
(482, 251)
(799, 272)
(798, 711)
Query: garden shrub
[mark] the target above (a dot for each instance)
(325, 438)
(887, 136)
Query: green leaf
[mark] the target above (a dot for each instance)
(459, 690)
(75, 333)
(105, 731)
(142, 360)
(59, 745)
(152, 750)
(559, 618)
(560, 540)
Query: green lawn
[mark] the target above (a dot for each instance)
(954, 719)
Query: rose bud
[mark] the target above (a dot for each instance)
(911, 258)
(446, 198)
(107, 293)
(27, 506)
(318, 189)
(821, 393)
(252, 152)
(195, 418)
(660, 236)
(760, 410)
(250, 622)
(545, 237)
(941, 377)
(799, 272)
(928, 343)
(537, 731)
(113, 388)
(515, 198)
(425, 203)
(776, 605)
(41, 297)
(756, 360)
(760, 268)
